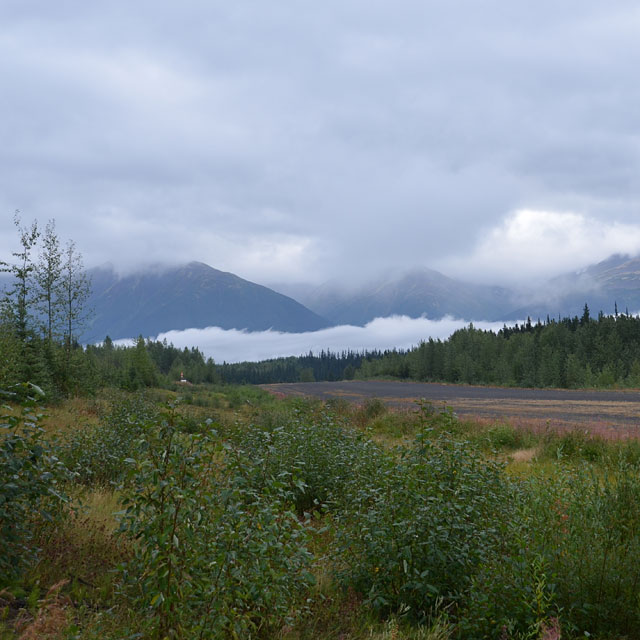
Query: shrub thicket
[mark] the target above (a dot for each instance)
(96, 453)
(312, 454)
(30, 480)
(220, 521)
(214, 557)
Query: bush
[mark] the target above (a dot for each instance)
(506, 437)
(30, 477)
(96, 453)
(575, 445)
(592, 543)
(214, 557)
(421, 533)
(312, 454)
(371, 409)
(568, 553)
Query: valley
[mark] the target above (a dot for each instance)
(319, 321)
(162, 298)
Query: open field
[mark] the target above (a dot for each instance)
(300, 519)
(612, 414)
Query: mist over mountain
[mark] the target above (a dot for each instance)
(194, 295)
(416, 293)
(173, 298)
(429, 293)
(614, 282)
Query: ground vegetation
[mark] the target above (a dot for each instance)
(226, 512)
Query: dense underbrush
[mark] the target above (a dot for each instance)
(249, 525)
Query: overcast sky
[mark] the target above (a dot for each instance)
(298, 141)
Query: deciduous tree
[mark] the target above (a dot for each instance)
(76, 288)
(48, 276)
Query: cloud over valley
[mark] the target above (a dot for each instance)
(398, 332)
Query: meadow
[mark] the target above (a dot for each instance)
(213, 511)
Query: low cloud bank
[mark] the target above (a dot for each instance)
(234, 345)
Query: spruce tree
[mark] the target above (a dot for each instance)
(18, 299)
(585, 315)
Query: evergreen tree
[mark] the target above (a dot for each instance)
(10, 349)
(585, 315)
(18, 299)
(141, 371)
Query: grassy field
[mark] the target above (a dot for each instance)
(236, 514)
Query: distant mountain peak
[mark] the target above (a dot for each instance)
(191, 295)
(413, 292)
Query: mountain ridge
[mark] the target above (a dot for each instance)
(161, 298)
(426, 292)
(603, 286)
(415, 293)
(193, 295)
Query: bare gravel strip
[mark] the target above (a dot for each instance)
(600, 410)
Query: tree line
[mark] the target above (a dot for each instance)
(43, 308)
(326, 366)
(146, 363)
(569, 352)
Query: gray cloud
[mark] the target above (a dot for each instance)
(302, 142)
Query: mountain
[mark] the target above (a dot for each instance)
(602, 286)
(618, 274)
(194, 295)
(415, 293)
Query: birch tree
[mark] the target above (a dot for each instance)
(75, 290)
(48, 276)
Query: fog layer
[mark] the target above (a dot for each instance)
(398, 332)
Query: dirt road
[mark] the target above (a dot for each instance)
(612, 413)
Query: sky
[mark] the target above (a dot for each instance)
(299, 142)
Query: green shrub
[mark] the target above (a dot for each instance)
(421, 531)
(570, 552)
(628, 451)
(441, 420)
(506, 437)
(246, 395)
(96, 453)
(214, 557)
(595, 548)
(575, 445)
(315, 456)
(396, 425)
(30, 478)
(374, 408)
(512, 593)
